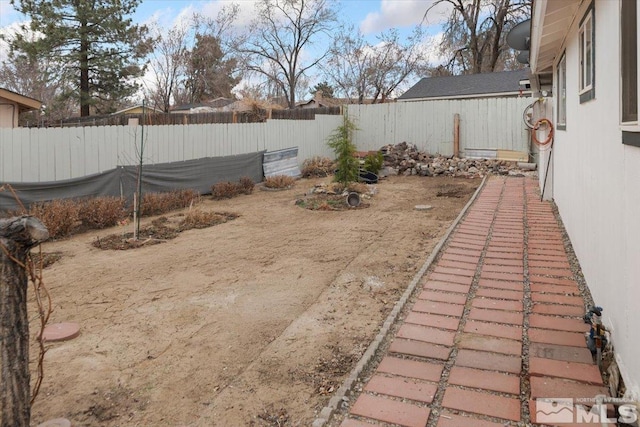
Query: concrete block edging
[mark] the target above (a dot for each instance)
(341, 394)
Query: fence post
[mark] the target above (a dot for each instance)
(456, 135)
(17, 236)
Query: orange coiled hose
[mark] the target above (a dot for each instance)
(549, 137)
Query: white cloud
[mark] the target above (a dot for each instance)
(246, 12)
(9, 32)
(430, 49)
(6, 11)
(404, 13)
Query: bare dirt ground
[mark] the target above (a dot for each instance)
(253, 322)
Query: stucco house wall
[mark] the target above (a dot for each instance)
(12, 104)
(596, 184)
(8, 113)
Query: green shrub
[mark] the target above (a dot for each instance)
(373, 162)
(345, 150)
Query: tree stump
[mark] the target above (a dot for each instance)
(17, 236)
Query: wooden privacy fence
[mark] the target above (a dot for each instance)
(50, 154)
(257, 115)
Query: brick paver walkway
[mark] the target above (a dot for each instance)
(502, 285)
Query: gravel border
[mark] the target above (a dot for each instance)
(340, 395)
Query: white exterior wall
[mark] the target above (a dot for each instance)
(596, 186)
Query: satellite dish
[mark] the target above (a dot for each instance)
(519, 36)
(523, 57)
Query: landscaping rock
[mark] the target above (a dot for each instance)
(405, 159)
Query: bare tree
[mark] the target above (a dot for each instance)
(475, 33)
(167, 66)
(40, 79)
(17, 236)
(190, 62)
(394, 61)
(277, 38)
(360, 69)
(347, 65)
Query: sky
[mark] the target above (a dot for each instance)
(371, 16)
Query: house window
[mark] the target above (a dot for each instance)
(562, 93)
(586, 36)
(629, 61)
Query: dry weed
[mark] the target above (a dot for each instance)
(225, 190)
(279, 181)
(247, 185)
(59, 216)
(102, 212)
(317, 167)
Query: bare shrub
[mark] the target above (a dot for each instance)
(197, 218)
(59, 216)
(246, 185)
(358, 187)
(159, 203)
(101, 212)
(225, 190)
(317, 167)
(279, 181)
(184, 198)
(155, 204)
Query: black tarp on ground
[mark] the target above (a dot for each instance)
(199, 175)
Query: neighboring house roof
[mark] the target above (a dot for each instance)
(137, 109)
(24, 102)
(467, 86)
(211, 105)
(320, 101)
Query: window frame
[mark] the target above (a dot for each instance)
(587, 92)
(561, 90)
(630, 131)
(624, 90)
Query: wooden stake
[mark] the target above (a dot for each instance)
(456, 135)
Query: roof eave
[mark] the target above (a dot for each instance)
(475, 95)
(24, 102)
(550, 24)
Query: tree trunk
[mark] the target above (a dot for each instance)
(85, 96)
(17, 235)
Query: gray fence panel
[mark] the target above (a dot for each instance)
(198, 174)
(50, 154)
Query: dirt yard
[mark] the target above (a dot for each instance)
(253, 322)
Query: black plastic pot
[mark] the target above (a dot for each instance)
(368, 177)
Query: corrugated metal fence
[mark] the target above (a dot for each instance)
(49, 154)
(484, 123)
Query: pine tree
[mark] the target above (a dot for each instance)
(100, 47)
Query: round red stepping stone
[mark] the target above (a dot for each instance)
(58, 422)
(61, 332)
